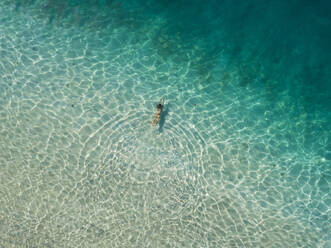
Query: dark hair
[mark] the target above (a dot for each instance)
(159, 106)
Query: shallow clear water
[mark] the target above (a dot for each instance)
(240, 158)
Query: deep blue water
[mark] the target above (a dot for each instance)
(240, 158)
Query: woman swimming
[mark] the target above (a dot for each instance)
(158, 112)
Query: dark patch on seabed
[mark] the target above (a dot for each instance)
(276, 45)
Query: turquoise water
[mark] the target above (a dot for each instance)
(240, 158)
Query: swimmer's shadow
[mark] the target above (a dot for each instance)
(163, 117)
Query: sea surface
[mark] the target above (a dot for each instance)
(240, 158)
